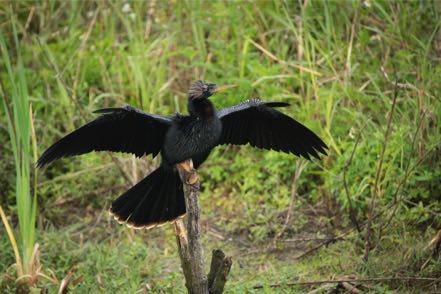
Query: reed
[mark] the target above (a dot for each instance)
(18, 110)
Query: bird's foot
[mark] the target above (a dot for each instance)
(190, 176)
(191, 179)
(187, 166)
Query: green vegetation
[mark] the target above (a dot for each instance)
(365, 76)
(20, 128)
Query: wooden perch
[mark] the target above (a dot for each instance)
(219, 270)
(189, 243)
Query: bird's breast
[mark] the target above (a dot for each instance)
(190, 136)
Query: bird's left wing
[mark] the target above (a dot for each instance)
(124, 129)
(259, 124)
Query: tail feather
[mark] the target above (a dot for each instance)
(173, 206)
(157, 199)
(162, 213)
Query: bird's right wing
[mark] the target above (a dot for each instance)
(124, 129)
(257, 123)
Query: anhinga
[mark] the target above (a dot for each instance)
(159, 197)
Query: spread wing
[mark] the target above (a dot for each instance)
(259, 124)
(124, 129)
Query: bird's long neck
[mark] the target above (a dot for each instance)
(202, 108)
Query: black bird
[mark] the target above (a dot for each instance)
(159, 197)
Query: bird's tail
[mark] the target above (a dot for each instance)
(157, 199)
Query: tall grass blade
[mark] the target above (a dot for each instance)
(16, 105)
(11, 237)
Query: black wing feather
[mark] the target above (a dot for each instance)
(124, 129)
(257, 123)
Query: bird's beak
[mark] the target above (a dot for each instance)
(220, 89)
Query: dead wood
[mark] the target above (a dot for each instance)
(188, 239)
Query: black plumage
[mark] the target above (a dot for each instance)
(159, 197)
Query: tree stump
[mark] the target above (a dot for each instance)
(189, 244)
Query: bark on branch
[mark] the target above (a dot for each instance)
(189, 243)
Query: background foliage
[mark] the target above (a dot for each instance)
(339, 64)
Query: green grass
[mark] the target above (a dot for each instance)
(107, 258)
(335, 62)
(20, 127)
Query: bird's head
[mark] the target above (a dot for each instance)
(203, 90)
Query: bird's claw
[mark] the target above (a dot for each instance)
(191, 177)
(187, 166)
